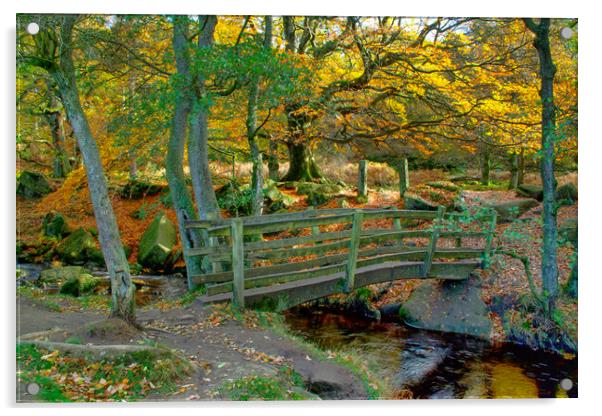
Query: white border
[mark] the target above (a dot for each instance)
(589, 184)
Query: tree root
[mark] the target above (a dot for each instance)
(97, 351)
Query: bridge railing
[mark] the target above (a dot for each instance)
(253, 252)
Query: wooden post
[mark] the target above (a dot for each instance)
(404, 177)
(238, 264)
(428, 259)
(489, 240)
(315, 229)
(362, 179)
(354, 244)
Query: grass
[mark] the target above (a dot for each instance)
(60, 302)
(127, 377)
(286, 385)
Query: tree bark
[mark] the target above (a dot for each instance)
(198, 142)
(513, 184)
(547, 70)
(521, 167)
(571, 288)
(122, 287)
(174, 161)
(54, 119)
(485, 165)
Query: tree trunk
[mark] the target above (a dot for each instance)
(54, 118)
(521, 168)
(174, 161)
(198, 142)
(252, 130)
(302, 166)
(273, 166)
(485, 166)
(547, 70)
(122, 287)
(513, 184)
(572, 284)
(404, 177)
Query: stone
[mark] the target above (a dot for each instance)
(54, 225)
(421, 356)
(136, 189)
(276, 200)
(80, 247)
(80, 285)
(567, 193)
(530, 191)
(511, 210)
(156, 247)
(32, 185)
(569, 230)
(415, 202)
(448, 306)
(58, 275)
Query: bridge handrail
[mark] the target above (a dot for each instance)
(236, 251)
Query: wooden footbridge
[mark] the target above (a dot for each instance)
(282, 260)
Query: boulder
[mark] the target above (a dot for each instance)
(530, 191)
(57, 275)
(422, 354)
(511, 210)
(448, 306)
(567, 193)
(156, 247)
(80, 285)
(276, 200)
(136, 189)
(411, 201)
(569, 230)
(32, 185)
(79, 247)
(54, 225)
(318, 193)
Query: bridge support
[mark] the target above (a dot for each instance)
(354, 245)
(428, 258)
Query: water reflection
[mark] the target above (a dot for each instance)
(439, 366)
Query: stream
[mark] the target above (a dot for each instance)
(435, 365)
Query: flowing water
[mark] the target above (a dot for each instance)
(438, 365)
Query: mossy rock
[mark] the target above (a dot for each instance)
(305, 188)
(155, 250)
(276, 200)
(569, 230)
(511, 210)
(81, 285)
(415, 202)
(530, 191)
(58, 275)
(446, 185)
(448, 306)
(78, 248)
(54, 225)
(32, 185)
(316, 198)
(136, 189)
(567, 194)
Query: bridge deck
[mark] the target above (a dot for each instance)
(286, 295)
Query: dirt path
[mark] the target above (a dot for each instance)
(223, 349)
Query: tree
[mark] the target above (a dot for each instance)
(547, 70)
(52, 50)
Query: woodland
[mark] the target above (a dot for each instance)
(132, 127)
